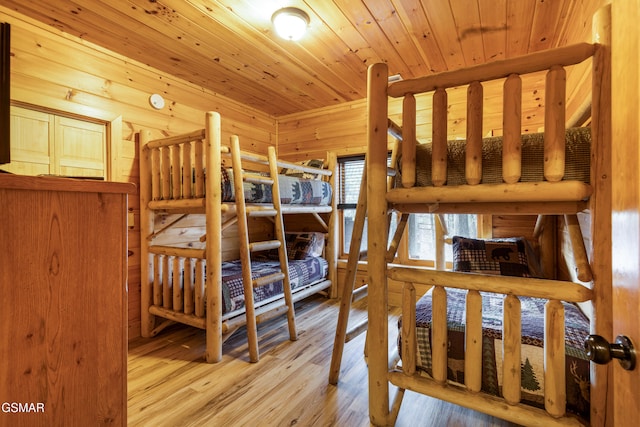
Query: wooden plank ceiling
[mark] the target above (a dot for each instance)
(229, 46)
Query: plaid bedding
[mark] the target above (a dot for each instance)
(506, 257)
(293, 190)
(532, 388)
(301, 273)
(510, 256)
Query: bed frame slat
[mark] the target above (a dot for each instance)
(473, 342)
(554, 123)
(409, 135)
(439, 144)
(555, 391)
(473, 152)
(512, 129)
(511, 349)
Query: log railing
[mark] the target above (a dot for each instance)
(554, 333)
(552, 61)
(178, 170)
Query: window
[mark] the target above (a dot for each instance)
(420, 236)
(422, 232)
(350, 170)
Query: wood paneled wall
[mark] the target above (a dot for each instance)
(57, 72)
(310, 134)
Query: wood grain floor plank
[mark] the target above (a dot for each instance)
(171, 385)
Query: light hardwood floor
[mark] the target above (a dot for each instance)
(171, 385)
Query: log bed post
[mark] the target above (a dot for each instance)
(213, 209)
(147, 321)
(378, 335)
(600, 206)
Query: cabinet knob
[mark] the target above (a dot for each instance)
(601, 352)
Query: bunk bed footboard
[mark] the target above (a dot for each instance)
(439, 372)
(179, 291)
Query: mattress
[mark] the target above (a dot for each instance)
(577, 159)
(293, 190)
(302, 272)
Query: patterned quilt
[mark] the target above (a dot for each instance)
(293, 190)
(577, 364)
(301, 273)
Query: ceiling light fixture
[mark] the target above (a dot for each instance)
(290, 23)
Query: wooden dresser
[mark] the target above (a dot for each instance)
(63, 302)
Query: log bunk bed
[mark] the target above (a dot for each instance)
(185, 210)
(556, 196)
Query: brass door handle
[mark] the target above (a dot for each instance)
(600, 351)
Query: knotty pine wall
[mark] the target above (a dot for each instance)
(66, 75)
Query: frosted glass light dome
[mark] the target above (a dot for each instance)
(290, 23)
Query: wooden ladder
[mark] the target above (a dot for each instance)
(349, 295)
(274, 211)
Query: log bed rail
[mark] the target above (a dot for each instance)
(554, 196)
(568, 196)
(554, 342)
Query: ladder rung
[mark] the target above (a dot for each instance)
(363, 255)
(254, 211)
(257, 179)
(356, 330)
(267, 315)
(177, 252)
(265, 280)
(264, 246)
(359, 293)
